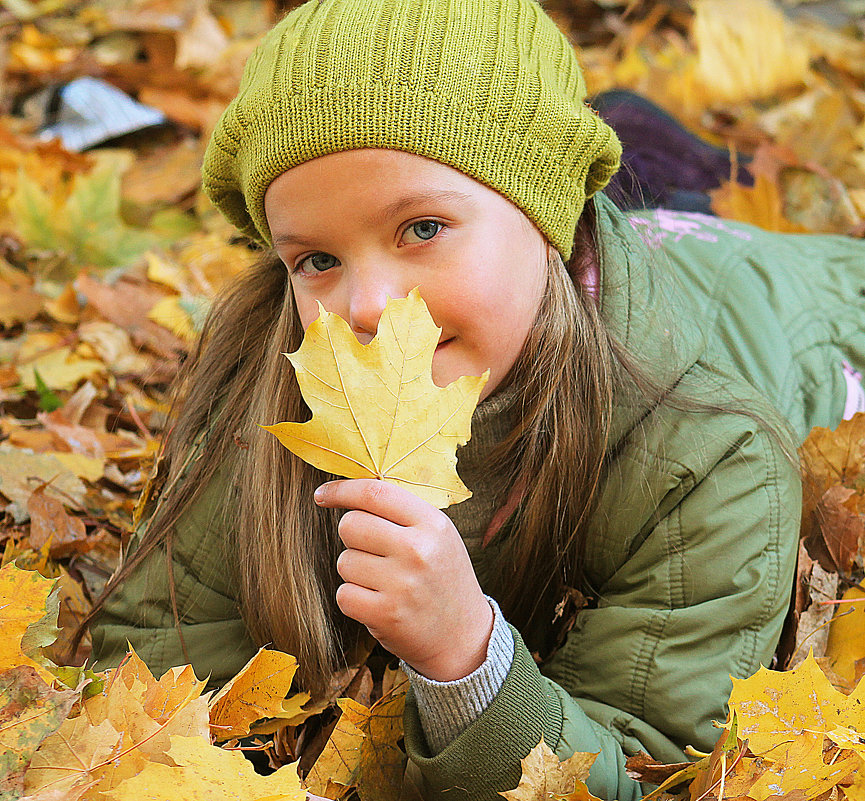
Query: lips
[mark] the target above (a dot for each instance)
(443, 343)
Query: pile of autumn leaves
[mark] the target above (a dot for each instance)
(70, 733)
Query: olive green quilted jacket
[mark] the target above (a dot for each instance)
(693, 554)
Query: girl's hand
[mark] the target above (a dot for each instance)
(408, 578)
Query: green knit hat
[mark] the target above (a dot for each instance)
(489, 87)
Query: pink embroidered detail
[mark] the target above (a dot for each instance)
(661, 224)
(855, 392)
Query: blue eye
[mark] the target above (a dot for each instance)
(320, 262)
(425, 229)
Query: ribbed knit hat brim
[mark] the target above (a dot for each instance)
(489, 87)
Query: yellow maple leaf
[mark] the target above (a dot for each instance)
(258, 691)
(776, 710)
(377, 412)
(363, 750)
(120, 730)
(23, 603)
(162, 699)
(548, 778)
(202, 770)
(70, 760)
(802, 771)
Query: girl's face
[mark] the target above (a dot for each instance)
(357, 227)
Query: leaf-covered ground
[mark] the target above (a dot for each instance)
(109, 258)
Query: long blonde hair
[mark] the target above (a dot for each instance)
(285, 548)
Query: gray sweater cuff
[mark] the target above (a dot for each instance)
(446, 708)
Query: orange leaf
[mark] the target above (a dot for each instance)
(258, 691)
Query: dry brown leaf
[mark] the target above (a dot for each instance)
(834, 456)
(21, 472)
(841, 527)
(376, 411)
(52, 526)
(644, 768)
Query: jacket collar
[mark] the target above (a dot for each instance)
(645, 312)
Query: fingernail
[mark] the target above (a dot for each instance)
(319, 493)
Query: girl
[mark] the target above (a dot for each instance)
(650, 378)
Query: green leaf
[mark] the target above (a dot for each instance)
(48, 400)
(86, 225)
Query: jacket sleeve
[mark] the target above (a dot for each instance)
(700, 598)
(214, 638)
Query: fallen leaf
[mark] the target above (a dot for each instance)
(89, 468)
(545, 777)
(52, 525)
(802, 769)
(162, 699)
(85, 225)
(337, 768)
(19, 303)
(842, 528)
(73, 759)
(846, 643)
(643, 768)
(64, 308)
(833, 457)
(776, 709)
(29, 711)
(363, 751)
(761, 204)
(114, 347)
(746, 49)
(201, 42)
(258, 691)
(58, 364)
(202, 770)
(126, 304)
(21, 472)
(171, 314)
(24, 602)
(376, 411)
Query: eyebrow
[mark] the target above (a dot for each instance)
(391, 210)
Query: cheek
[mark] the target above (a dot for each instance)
(306, 305)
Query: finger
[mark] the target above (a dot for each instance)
(363, 569)
(368, 532)
(378, 497)
(358, 603)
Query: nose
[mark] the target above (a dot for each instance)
(369, 293)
